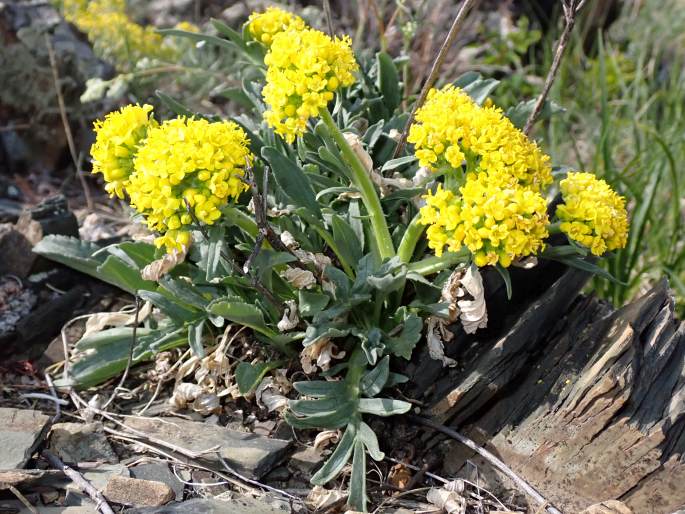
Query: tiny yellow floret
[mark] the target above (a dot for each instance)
(304, 68)
(496, 224)
(451, 129)
(187, 164)
(117, 139)
(592, 214)
(265, 25)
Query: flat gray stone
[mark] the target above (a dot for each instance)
(81, 442)
(161, 473)
(306, 460)
(249, 454)
(19, 508)
(238, 505)
(20, 433)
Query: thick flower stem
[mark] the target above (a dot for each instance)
(431, 265)
(410, 238)
(362, 180)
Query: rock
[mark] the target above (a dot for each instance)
(279, 474)
(238, 505)
(20, 433)
(160, 472)
(81, 442)
(15, 248)
(608, 507)
(133, 491)
(54, 217)
(16, 302)
(306, 460)
(247, 453)
(100, 475)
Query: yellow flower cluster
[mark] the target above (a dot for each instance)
(116, 144)
(305, 68)
(497, 224)
(451, 128)
(113, 34)
(187, 160)
(161, 167)
(265, 25)
(592, 214)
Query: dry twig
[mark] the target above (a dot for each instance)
(435, 69)
(75, 157)
(22, 499)
(78, 479)
(571, 9)
(492, 459)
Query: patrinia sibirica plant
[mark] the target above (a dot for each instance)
(293, 220)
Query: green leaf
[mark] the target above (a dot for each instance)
(372, 343)
(212, 252)
(340, 456)
(396, 163)
(366, 435)
(504, 273)
(320, 388)
(174, 105)
(198, 37)
(292, 180)
(388, 81)
(479, 90)
(314, 407)
(248, 376)
(312, 303)
(357, 498)
(242, 313)
(195, 339)
(71, 252)
(234, 36)
(346, 240)
(383, 406)
(116, 272)
(315, 333)
(170, 306)
(373, 382)
(336, 419)
(403, 344)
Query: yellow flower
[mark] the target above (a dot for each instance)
(496, 224)
(265, 25)
(187, 164)
(451, 128)
(305, 68)
(187, 26)
(592, 213)
(117, 140)
(113, 34)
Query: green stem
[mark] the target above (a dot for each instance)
(411, 236)
(431, 265)
(554, 228)
(355, 370)
(363, 182)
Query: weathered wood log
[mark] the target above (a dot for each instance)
(584, 402)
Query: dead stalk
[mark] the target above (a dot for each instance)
(75, 157)
(466, 6)
(78, 479)
(488, 456)
(571, 9)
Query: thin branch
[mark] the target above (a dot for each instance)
(571, 9)
(329, 18)
(466, 6)
(22, 499)
(78, 479)
(497, 463)
(75, 157)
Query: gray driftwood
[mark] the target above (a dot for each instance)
(585, 402)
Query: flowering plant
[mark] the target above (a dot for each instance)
(294, 220)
